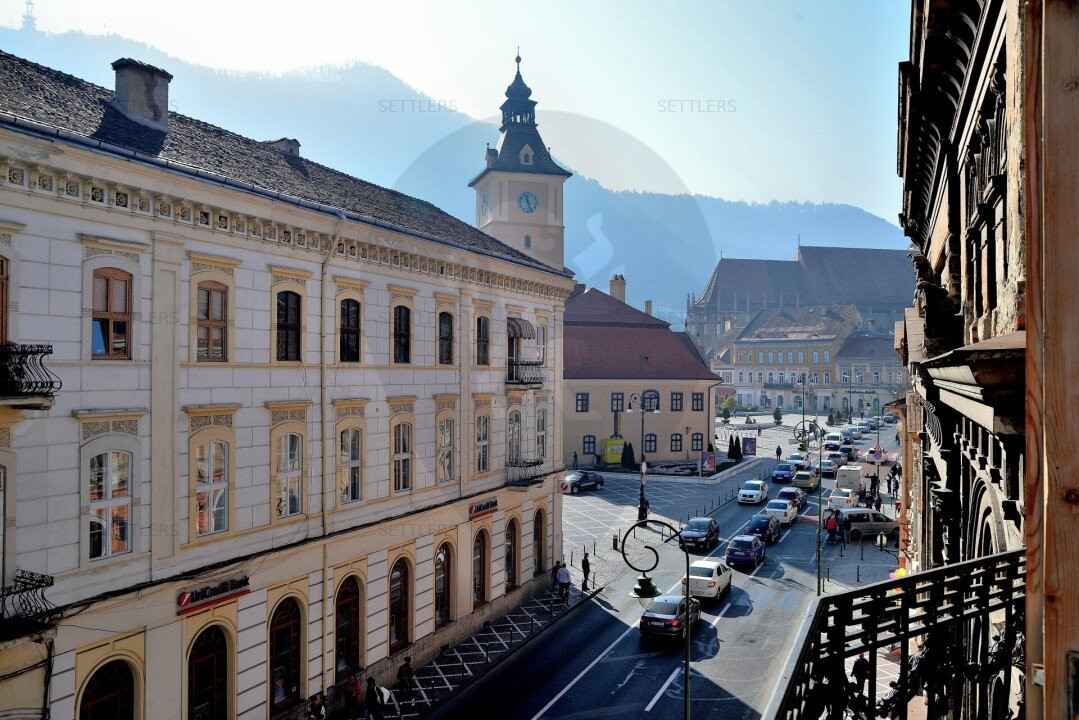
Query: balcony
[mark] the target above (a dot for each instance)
(777, 385)
(23, 607)
(952, 635)
(525, 373)
(25, 382)
(525, 472)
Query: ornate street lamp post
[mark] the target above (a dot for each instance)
(806, 430)
(636, 400)
(646, 592)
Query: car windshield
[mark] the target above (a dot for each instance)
(700, 571)
(788, 493)
(841, 493)
(573, 476)
(777, 505)
(701, 525)
(664, 607)
(752, 485)
(742, 544)
(783, 467)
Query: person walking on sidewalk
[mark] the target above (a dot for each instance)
(574, 460)
(586, 567)
(372, 701)
(406, 680)
(860, 673)
(779, 453)
(831, 526)
(563, 583)
(844, 529)
(554, 571)
(877, 502)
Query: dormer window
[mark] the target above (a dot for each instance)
(526, 155)
(527, 159)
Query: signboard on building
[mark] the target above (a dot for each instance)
(482, 508)
(749, 446)
(215, 593)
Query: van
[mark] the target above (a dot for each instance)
(864, 521)
(850, 477)
(832, 441)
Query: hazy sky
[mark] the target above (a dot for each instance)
(753, 100)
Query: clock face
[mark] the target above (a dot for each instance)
(528, 202)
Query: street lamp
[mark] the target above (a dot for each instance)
(646, 592)
(849, 378)
(637, 400)
(803, 431)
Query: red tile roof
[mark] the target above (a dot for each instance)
(589, 306)
(873, 346)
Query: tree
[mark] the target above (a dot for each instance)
(627, 456)
(777, 415)
(730, 447)
(730, 404)
(831, 418)
(726, 413)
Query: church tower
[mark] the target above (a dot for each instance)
(519, 192)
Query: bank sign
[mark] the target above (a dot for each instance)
(482, 508)
(200, 598)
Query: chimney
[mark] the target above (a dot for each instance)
(142, 93)
(618, 288)
(647, 307)
(492, 155)
(289, 146)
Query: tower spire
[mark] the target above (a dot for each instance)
(518, 58)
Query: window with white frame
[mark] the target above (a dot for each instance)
(698, 402)
(513, 437)
(650, 443)
(110, 504)
(827, 356)
(541, 343)
(483, 445)
(589, 445)
(541, 433)
(801, 357)
(445, 450)
(351, 465)
(290, 475)
(402, 457)
(827, 378)
(698, 442)
(211, 488)
(790, 356)
(816, 356)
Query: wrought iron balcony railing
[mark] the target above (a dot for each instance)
(23, 374)
(525, 372)
(23, 606)
(522, 472)
(956, 631)
(779, 385)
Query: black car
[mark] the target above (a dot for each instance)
(701, 533)
(849, 452)
(764, 526)
(667, 616)
(581, 480)
(783, 472)
(796, 497)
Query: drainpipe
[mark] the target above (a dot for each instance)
(710, 411)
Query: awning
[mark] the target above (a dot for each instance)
(520, 328)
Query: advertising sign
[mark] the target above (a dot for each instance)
(749, 446)
(482, 508)
(708, 464)
(208, 595)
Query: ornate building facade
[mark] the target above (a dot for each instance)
(306, 426)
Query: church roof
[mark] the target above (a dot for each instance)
(82, 113)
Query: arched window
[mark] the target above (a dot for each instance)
(479, 569)
(511, 554)
(399, 605)
(111, 314)
(109, 694)
(483, 341)
(350, 331)
(650, 400)
(539, 544)
(208, 676)
(110, 504)
(285, 655)
(445, 338)
(513, 437)
(348, 629)
(445, 437)
(402, 334)
(289, 325)
(443, 585)
(290, 475)
(541, 434)
(211, 488)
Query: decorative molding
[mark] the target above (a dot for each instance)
(280, 274)
(446, 298)
(5, 437)
(128, 246)
(481, 400)
(515, 397)
(287, 411)
(398, 293)
(445, 402)
(345, 284)
(204, 416)
(482, 304)
(402, 404)
(201, 262)
(350, 407)
(515, 310)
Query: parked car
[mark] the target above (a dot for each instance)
(753, 492)
(764, 526)
(708, 578)
(806, 479)
(864, 521)
(745, 550)
(666, 616)
(842, 498)
(582, 480)
(795, 496)
(798, 461)
(783, 472)
(826, 468)
(848, 451)
(700, 532)
(782, 510)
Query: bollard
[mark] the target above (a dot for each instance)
(571, 558)
(614, 542)
(593, 546)
(857, 573)
(828, 574)
(861, 546)
(842, 547)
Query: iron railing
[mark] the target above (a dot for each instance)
(522, 472)
(953, 633)
(23, 606)
(524, 372)
(23, 373)
(778, 385)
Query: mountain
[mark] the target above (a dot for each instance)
(363, 120)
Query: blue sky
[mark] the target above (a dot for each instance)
(757, 101)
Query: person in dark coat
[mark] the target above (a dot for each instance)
(372, 701)
(406, 679)
(877, 502)
(586, 567)
(860, 673)
(575, 461)
(844, 529)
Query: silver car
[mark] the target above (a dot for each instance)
(864, 521)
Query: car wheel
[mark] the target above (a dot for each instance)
(573, 489)
(599, 486)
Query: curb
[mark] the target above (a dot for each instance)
(466, 690)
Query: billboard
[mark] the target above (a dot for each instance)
(707, 464)
(749, 446)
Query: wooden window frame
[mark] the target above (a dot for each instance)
(107, 502)
(211, 287)
(483, 341)
(110, 275)
(287, 327)
(402, 450)
(483, 443)
(445, 342)
(400, 339)
(345, 333)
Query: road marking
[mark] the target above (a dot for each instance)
(648, 708)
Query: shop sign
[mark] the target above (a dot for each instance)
(213, 594)
(482, 508)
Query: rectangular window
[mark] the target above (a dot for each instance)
(111, 315)
(445, 450)
(289, 325)
(445, 338)
(3, 299)
(351, 465)
(650, 442)
(541, 343)
(760, 357)
(483, 341)
(741, 379)
(110, 504)
(402, 335)
(771, 377)
(801, 357)
(698, 442)
(212, 322)
(402, 457)
(676, 442)
(790, 356)
(618, 402)
(211, 488)
(827, 356)
(816, 356)
(771, 357)
(483, 458)
(350, 331)
(541, 434)
(876, 377)
(290, 475)
(760, 377)
(589, 445)
(827, 378)
(582, 402)
(698, 402)
(814, 378)
(676, 402)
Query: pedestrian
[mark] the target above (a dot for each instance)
(877, 502)
(874, 484)
(860, 672)
(861, 496)
(779, 452)
(354, 695)
(406, 680)
(831, 525)
(372, 701)
(844, 529)
(586, 567)
(759, 431)
(317, 709)
(563, 583)
(574, 460)
(554, 571)
(897, 438)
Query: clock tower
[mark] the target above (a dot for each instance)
(519, 192)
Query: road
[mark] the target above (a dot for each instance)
(594, 665)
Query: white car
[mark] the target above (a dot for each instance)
(753, 492)
(798, 460)
(782, 510)
(841, 498)
(708, 578)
